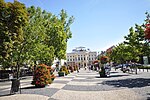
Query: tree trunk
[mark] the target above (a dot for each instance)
(136, 70)
(18, 61)
(141, 59)
(18, 70)
(148, 59)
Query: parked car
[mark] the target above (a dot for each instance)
(118, 66)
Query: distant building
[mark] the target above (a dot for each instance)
(81, 57)
(109, 50)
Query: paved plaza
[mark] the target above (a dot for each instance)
(85, 85)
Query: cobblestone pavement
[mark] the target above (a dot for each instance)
(85, 85)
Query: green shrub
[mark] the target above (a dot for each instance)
(64, 68)
(143, 67)
(41, 76)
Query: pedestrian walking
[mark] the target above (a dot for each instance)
(10, 76)
(85, 67)
(77, 69)
(89, 67)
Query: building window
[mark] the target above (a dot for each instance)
(89, 59)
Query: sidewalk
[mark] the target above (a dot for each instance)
(24, 97)
(85, 85)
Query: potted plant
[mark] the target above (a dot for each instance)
(64, 68)
(103, 61)
(63, 71)
(52, 74)
(53, 77)
(102, 72)
(41, 76)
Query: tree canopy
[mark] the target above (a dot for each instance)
(13, 18)
(47, 31)
(29, 35)
(134, 47)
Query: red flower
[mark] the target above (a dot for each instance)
(147, 31)
(37, 82)
(104, 59)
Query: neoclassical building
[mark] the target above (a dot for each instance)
(81, 57)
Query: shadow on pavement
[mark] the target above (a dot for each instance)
(148, 98)
(111, 76)
(114, 72)
(100, 77)
(129, 83)
(117, 75)
(5, 95)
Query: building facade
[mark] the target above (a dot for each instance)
(81, 57)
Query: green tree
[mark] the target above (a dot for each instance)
(44, 38)
(135, 39)
(135, 45)
(13, 18)
(120, 53)
(46, 35)
(35, 36)
(58, 33)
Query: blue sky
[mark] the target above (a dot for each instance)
(98, 24)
